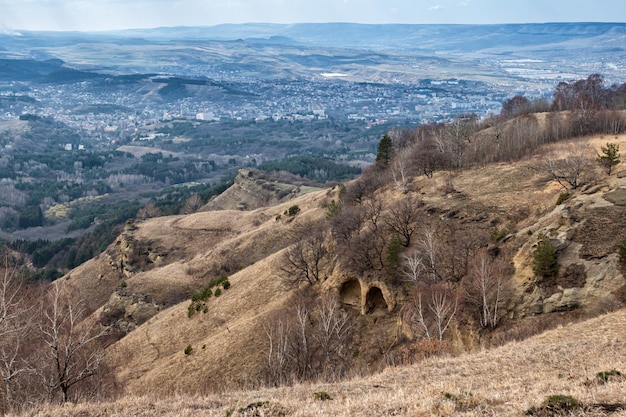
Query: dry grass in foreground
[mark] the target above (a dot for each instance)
(506, 381)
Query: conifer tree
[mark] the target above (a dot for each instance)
(545, 262)
(609, 157)
(385, 152)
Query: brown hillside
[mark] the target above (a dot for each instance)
(143, 284)
(506, 381)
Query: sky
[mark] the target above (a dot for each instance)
(100, 15)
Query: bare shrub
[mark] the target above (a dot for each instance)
(574, 169)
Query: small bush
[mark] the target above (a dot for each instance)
(218, 281)
(188, 350)
(252, 407)
(199, 299)
(450, 396)
(622, 252)
(563, 402)
(556, 405)
(292, 211)
(206, 293)
(322, 396)
(562, 197)
(332, 209)
(497, 235)
(605, 376)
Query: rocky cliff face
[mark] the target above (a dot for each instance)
(586, 231)
(253, 189)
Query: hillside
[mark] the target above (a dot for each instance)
(414, 262)
(506, 381)
(146, 279)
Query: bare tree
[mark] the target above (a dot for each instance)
(358, 231)
(418, 313)
(148, 211)
(347, 223)
(413, 266)
(192, 204)
(332, 333)
(403, 219)
(428, 245)
(72, 352)
(570, 171)
(278, 332)
(429, 157)
(401, 169)
(458, 135)
(367, 250)
(303, 261)
(372, 210)
(443, 306)
(364, 186)
(456, 249)
(433, 309)
(484, 288)
(13, 328)
(302, 349)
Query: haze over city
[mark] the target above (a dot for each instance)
(90, 15)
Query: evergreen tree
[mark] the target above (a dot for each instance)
(385, 152)
(545, 262)
(609, 157)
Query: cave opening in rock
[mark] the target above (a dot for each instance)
(375, 302)
(351, 293)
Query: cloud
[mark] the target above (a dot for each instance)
(435, 8)
(394, 10)
(465, 3)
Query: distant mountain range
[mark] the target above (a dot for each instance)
(449, 38)
(461, 38)
(564, 50)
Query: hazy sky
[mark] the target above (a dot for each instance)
(94, 15)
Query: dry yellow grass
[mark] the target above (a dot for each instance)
(228, 341)
(505, 381)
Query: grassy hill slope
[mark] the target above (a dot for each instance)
(156, 265)
(506, 381)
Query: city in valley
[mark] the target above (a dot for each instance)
(121, 117)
